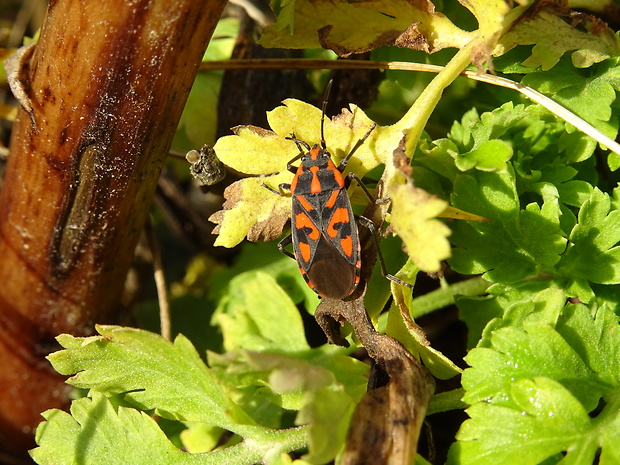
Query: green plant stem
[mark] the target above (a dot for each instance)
(444, 296)
(446, 401)
(256, 449)
(414, 121)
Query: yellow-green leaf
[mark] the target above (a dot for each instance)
(414, 214)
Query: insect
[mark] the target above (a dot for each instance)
(324, 233)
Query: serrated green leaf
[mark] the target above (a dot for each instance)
(516, 354)
(514, 244)
(169, 378)
(594, 253)
(546, 420)
(96, 433)
(581, 354)
(596, 340)
(486, 142)
(512, 305)
(107, 436)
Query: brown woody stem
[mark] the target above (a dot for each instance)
(106, 84)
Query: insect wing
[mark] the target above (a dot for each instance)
(338, 225)
(305, 220)
(330, 273)
(326, 243)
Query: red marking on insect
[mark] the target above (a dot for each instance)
(339, 216)
(305, 253)
(303, 221)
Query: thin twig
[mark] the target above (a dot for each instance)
(530, 93)
(160, 282)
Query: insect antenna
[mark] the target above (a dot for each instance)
(328, 89)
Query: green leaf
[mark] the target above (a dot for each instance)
(327, 412)
(322, 383)
(596, 340)
(200, 437)
(538, 350)
(96, 433)
(545, 421)
(488, 156)
(414, 218)
(590, 95)
(488, 141)
(151, 372)
(594, 253)
(268, 259)
(224, 38)
(576, 365)
(259, 316)
(108, 436)
(199, 119)
(513, 244)
(511, 305)
(543, 25)
(540, 389)
(290, 376)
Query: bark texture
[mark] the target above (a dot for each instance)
(106, 86)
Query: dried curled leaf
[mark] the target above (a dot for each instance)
(336, 26)
(545, 21)
(250, 212)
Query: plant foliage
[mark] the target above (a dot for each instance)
(533, 208)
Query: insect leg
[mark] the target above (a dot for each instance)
(288, 240)
(281, 188)
(300, 146)
(358, 144)
(371, 227)
(351, 176)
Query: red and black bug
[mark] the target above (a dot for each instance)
(324, 234)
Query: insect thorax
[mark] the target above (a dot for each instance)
(317, 156)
